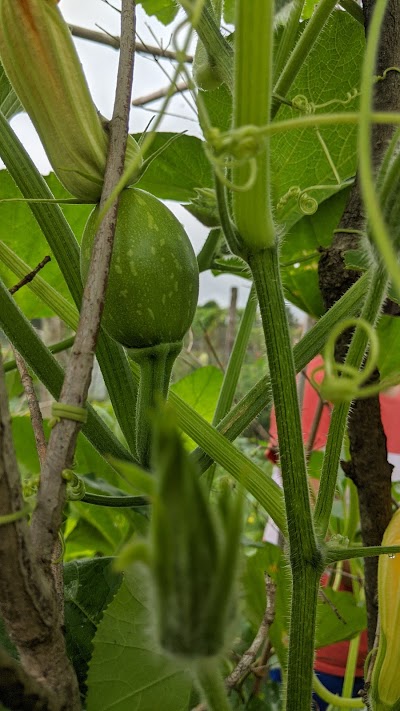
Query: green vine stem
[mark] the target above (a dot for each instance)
(305, 556)
(211, 685)
(55, 348)
(130, 502)
(353, 9)
(233, 368)
(267, 280)
(288, 38)
(236, 358)
(351, 666)
(252, 106)
(155, 365)
(218, 48)
(355, 355)
(302, 49)
(336, 553)
(335, 700)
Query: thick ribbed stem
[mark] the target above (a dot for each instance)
(305, 558)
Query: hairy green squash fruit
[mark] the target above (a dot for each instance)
(153, 283)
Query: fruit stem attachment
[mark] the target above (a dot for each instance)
(155, 363)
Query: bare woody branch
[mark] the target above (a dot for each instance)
(27, 383)
(38, 432)
(244, 666)
(115, 42)
(47, 517)
(160, 93)
(28, 605)
(33, 405)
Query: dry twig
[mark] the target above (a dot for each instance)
(160, 94)
(29, 277)
(114, 42)
(243, 668)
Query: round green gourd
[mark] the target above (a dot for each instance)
(153, 282)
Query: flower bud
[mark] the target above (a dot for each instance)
(385, 684)
(192, 553)
(40, 59)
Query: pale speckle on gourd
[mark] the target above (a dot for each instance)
(151, 313)
(151, 222)
(162, 242)
(153, 250)
(118, 269)
(130, 252)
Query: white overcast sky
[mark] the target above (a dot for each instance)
(100, 66)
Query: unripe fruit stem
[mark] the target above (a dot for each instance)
(156, 365)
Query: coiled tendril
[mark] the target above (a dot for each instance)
(75, 486)
(232, 149)
(306, 203)
(342, 382)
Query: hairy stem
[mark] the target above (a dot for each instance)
(305, 557)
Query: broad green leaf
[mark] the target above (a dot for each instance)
(300, 253)
(308, 8)
(127, 672)
(99, 530)
(10, 105)
(389, 346)
(24, 444)
(164, 10)
(331, 70)
(89, 587)
(179, 170)
(330, 628)
(200, 390)
(229, 11)
(20, 231)
(331, 73)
